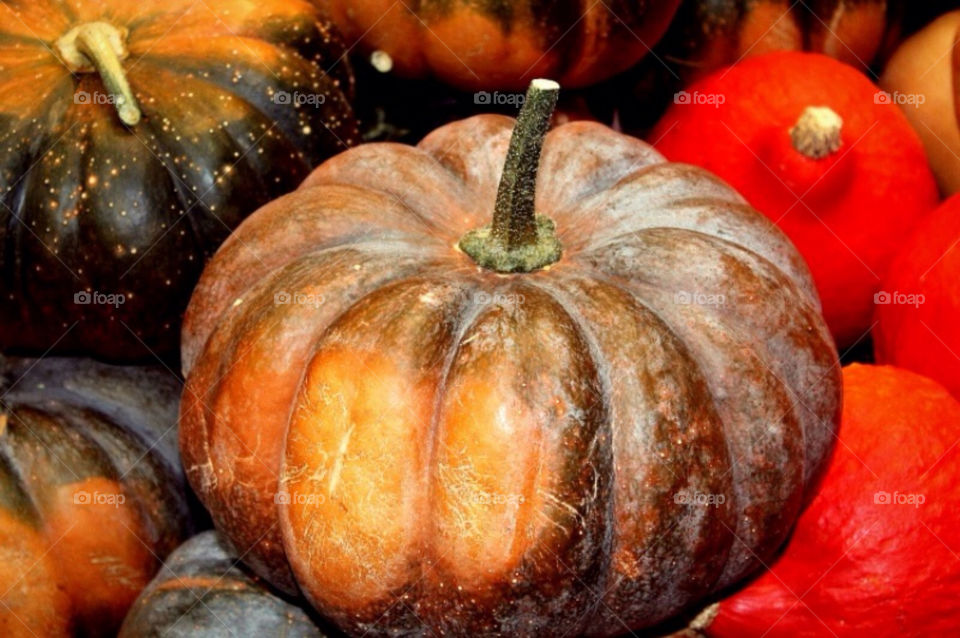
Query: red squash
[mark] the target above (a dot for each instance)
(846, 182)
(918, 313)
(876, 553)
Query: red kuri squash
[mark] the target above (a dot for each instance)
(918, 311)
(814, 145)
(876, 552)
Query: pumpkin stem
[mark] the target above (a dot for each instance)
(100, 46)
(519, 240)
(817, 132)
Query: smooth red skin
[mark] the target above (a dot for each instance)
(925, 338)
(861, 568)
(857, 205)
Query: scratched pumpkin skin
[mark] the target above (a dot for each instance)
(122, 180)
(371, 417)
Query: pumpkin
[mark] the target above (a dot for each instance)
(707, 35)
(875, 553)
(918, 311)
(500, 425)
(202, 592)
(92, 495)
(490, 44)
(135, 136)
(923, 77)
(821, 153)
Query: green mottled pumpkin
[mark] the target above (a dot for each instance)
(92, 494)
(133, 137)
(202, 592)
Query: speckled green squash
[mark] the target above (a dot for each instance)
(121, 169)
(201, 592)
(92, 494)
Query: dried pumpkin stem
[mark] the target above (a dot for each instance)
(519, 240)
(817, 132)
(100, 47)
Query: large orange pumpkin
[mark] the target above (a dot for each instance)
(491, 44)
(415, 418)
(710, 34)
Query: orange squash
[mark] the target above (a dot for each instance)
(813, 144)
(416, 417)
(491, 44)
(875, 553)
(923, 77)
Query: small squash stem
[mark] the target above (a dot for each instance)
(100, 47)
(817, 132)
(519, 240)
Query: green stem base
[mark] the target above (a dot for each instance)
(495, 255)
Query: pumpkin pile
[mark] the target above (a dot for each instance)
(479, 318)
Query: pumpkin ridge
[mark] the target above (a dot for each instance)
(9, 466)
(468, 316)
(790, 387)
(181, 190)
(264, 285)
(668, 172)
(809, 305)
(808, 295)
(737, 505)
(214, 78)
(230, 353)
(716, 421)
(599, 359)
